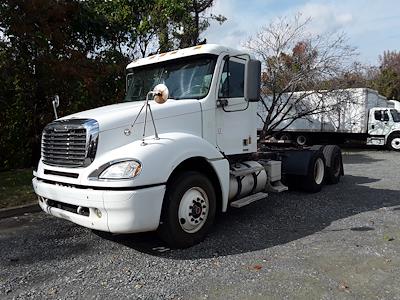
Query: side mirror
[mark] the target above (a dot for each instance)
(56, 103)
(252, 79)
(161, 93)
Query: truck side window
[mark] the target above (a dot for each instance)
(378, 115)
(381, 115)
(395, 115)
(385, 116)
(232, 80)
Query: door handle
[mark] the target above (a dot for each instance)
(222, 103)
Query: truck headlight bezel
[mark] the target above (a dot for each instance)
(128, 169)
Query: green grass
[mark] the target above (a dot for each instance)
(16, 188)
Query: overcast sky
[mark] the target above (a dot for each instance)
(371, 26)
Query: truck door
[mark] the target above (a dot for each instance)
(380, 122)
(235, 117)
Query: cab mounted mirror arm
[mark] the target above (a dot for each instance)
(56, 103)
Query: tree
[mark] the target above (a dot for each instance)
(51, 48)
(79, 50)
(387, 81)
(196, 22)
(179, 23)
(298, 66)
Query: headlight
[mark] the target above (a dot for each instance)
(122, 170)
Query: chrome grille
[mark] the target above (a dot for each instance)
(70, 143)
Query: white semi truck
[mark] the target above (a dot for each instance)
(357, 114)
(180, 148)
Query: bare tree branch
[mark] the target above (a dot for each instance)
(297, 65)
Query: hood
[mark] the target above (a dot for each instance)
(123, 114)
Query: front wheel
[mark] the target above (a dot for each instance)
(394, 142)
(188, 210)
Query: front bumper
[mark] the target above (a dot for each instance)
(121, 211)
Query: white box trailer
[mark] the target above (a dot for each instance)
(350, 114)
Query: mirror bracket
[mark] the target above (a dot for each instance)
(56, 103)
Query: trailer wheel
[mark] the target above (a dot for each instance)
(302, 140)
(334, 165)
(284, 137)
(313, 181)
(188, 210)
(394, 142)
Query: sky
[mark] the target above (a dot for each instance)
(371, 26)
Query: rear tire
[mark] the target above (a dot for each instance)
(302, 140)
(334, 165)
(393, 142)
(314, 180)
(284, 137)
(188, 210)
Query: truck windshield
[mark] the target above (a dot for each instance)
(188, 78)
(395, 115)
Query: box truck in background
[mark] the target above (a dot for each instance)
(357, 114)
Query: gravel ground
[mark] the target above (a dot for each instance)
(340, 243)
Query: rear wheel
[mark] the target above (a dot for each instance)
(302, 140)
(284, 137)
(188, 210)
(394, 142)
(313, 181)
(334, 165)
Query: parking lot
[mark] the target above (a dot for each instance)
(343, 242)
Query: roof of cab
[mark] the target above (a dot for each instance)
(200, 49)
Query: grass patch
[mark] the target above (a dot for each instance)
(16, 188)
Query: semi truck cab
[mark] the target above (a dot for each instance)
(181, 146)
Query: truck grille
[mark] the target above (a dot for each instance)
(70, 143)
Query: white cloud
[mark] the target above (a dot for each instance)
(240, 23)
(324, 17)
(372, 26)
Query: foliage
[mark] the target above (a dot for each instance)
(387, 81)
(16, 188)
(384, 78)
(78, 50)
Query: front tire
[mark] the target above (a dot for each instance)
(394, 142)
(188, 210)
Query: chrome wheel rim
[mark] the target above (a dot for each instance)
(396, 143)
(319, 171)
(193, 210)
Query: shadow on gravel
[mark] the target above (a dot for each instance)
(358, 158)
(279, 219)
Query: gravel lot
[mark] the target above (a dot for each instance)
(343, 242)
